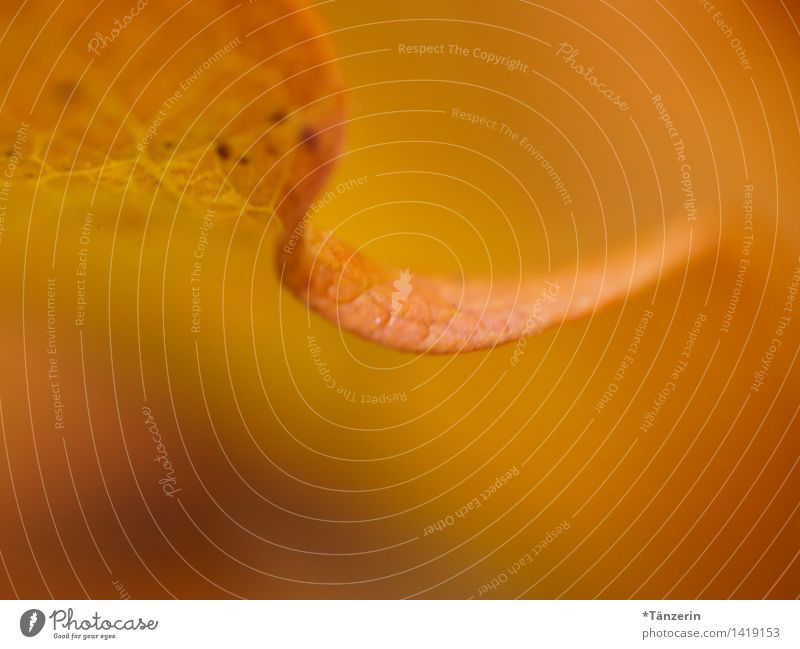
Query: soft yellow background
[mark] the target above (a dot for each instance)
(289, 489)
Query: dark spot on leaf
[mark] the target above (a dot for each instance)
(309, 138)
(243, 160)
(65, 90)
(277, 116)
(223, 151)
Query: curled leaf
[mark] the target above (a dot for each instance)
(248, 111)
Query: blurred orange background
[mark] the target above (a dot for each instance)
(304, 462)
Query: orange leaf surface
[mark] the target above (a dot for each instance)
(265, 142)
